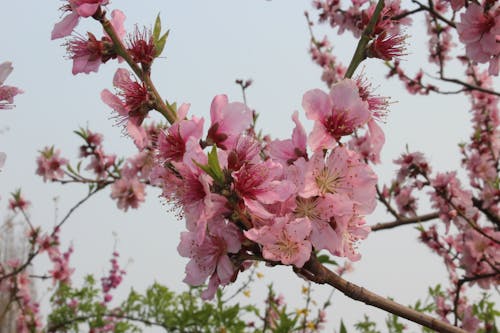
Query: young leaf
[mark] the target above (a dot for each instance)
(157, 28)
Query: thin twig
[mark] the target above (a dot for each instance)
(405, 221)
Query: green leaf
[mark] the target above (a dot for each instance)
(160, 43)
(342, 327)
(325, 259)
(157, 28)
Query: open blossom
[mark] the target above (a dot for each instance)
(210, 258)
(343, 173)
(386, 46)
(285, 240)
(76, 9)
(129, 192)
(228, 122)
(336, 114)
(132, 104)
(89, 53)
(259, 184)
(50, 164)
(172, 142)
(7, 93)
(479, 31)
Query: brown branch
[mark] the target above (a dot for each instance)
(489, 214)
(435, 14)
(405, 221)
(460, 283)
(382, 199)
(322, 275)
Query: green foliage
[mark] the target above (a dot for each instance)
(486, 313)
(159, 40)
(366, 326)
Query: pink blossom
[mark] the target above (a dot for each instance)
(228, 122)
(344, 173)
(453, 202)
(210, 258)
(350, 229)
(129, 192)
(50, 164)
(406, 202)
(7, 93)
(89, 53)
(387, 47)
(370, 144)
(200, 205)
(285, 240)
(259, 184)
(289, 150)
(172, 142)
(132, 105)
(141, 47)
(470, 322)
(76, 9)
(18, 201)
(335, 115)
(479, 30)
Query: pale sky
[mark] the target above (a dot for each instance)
(210, 45)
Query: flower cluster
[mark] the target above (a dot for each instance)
(244, 198)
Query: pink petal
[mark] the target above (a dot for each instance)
(218, 103)
(225, 269)
(117, 20)
(317, 104)
(377, 138)
(344, 94)
(83, 65)
(138, 134)
(66, 26)
(113, 102)
(121, 79)
(5, 70)
(88, 9)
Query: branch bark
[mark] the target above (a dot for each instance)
(318, 273)
(404, 221)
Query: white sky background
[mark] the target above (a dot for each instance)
(210, 45)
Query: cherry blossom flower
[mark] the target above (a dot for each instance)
(50, 164)
(132, 105)
(228, 121)
(210, 258)
(7, 93)
(387, 47)
(335, 115)
(343, 173)
(259, 184)
(89, 53)
(479, 30)
(129, 192)
(285, 240)
(76, 9)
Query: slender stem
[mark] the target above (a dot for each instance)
(322, 275)
(164, 108)
(360, 53)
(405, 221)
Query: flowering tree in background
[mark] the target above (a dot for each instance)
(299, 202)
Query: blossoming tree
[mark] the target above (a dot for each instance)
(300, 202)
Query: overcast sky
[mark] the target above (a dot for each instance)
(210, 45)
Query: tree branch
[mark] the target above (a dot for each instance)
(322, 275)
(405, 221)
